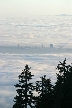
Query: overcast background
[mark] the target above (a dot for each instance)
(35, 7)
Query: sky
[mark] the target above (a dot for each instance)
(35, 7)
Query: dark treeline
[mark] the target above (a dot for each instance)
(49, 96)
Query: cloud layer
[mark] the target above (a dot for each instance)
(11, 66)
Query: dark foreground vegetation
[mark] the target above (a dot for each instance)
(49, 96)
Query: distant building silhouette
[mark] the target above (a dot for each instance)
(51, 45)
(18, 45)
(42, 46)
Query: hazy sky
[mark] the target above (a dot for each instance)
(35, 7)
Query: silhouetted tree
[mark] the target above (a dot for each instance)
(63, 86)
(24, 90)
(49, 96)
(44, 88)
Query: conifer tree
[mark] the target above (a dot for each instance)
(44, 88)
(24, 90)
(63, 86)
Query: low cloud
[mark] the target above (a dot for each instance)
(12, 65)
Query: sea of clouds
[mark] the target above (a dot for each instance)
(11, 65)
(37, 31)
(41, 30)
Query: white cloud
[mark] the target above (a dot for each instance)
(11, 66)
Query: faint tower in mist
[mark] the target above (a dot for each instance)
(18, 45)
(51, 45)
(42, 46)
